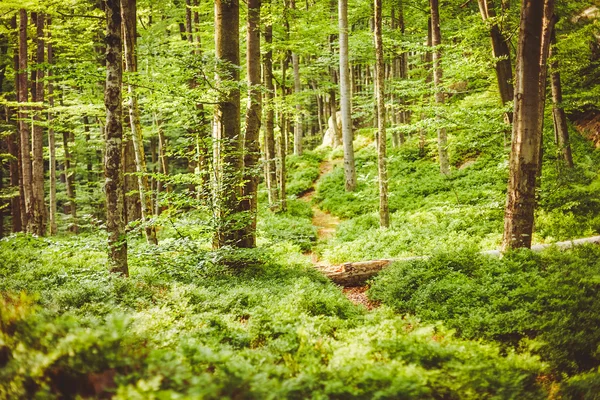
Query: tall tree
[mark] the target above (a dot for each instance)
(269, 131)
(38, 217)
(22, 98)
(501, 52)
(113, 169)
(13, 146)
(384, 212)
(436, 37)
(129, 21)
(297, 90)
(345, 99)
(228, 151)
(561, 130)
(51, 138)
(526, 135)
(253, 121)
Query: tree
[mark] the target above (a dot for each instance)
(269, 131)
(37, 221)
(561, 130)
(22, 97)
(228, 151)
(501, 52)
(128, 10)
(297, 90)
(526, 134)
(384, 212)
(253, 120)
(51, 138)
(436, 36)
(113, 168)
(345, 99)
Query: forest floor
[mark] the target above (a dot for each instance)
(326, 225)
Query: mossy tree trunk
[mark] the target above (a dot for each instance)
(228, 150)
(113, 169)
(384, 212)
(253, 121)
(129, 21)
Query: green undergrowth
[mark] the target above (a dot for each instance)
(544, 303)
(432, 212)
(191, 323)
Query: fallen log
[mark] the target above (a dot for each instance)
(357, 273)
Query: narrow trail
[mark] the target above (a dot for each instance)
(326, 225)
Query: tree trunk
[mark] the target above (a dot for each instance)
(501, 52)
(270, 156)
(228, 157)
(22, 97)
(345, 99)
(51, 138)
(561, 130)
(129, 20)
(38, 221)
(249, 202)
(436, 41)
(283, 140)
(113, 171)
(384, 212)
(526, 136)
(13, 149)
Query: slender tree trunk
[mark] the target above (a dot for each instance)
(270, 151)
(128, 10)
(283, 140)
(51, 139)
(526, 136)
(501, 52)
(345, 99)
(228, 155)
(428, 60)
(69, 174)
(437, 81)
(384, 212)
(249, 202)
(38, 221)
(113, 171)
(298, 134)
(561, 130)
(13, 147)
(22, 97)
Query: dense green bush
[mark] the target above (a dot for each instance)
(546, 303)
(302, 171)
(69, 328)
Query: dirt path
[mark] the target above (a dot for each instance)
(323, 221)
(326, 225)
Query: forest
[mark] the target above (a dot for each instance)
(273, 199)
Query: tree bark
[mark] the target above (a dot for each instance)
(345, 99)
(249, 202)
(384, 212)
(113, 171)
(283, 139)
(526, 136)
(228, 155)
(51, 138)
(501, 52)
(13, 147)
(22, 97)
(436, 41)
(298, 134)
(561, 130)
(37, 222)
(269, 132)
(129, 21)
